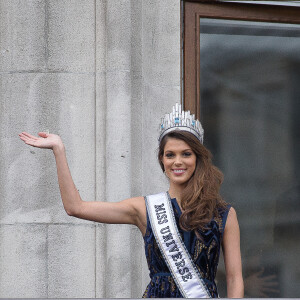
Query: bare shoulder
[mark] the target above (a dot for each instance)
(136, 202)
(139, 206)
(231, 236)
(232, 221)
(232, 213)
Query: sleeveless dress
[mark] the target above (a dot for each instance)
(205, 255)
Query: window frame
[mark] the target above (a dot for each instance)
(193, 10)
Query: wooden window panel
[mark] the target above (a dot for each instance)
(194, 10)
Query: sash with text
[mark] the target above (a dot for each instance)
(177, 258)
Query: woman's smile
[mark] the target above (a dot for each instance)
(179, 161)
(178, 172)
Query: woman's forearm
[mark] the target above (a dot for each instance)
(69, 193)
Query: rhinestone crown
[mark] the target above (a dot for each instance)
(180, 120)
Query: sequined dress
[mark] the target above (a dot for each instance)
(204, 253)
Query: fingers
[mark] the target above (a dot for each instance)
(28, 138)
(25, 134)
(259, 273)
(43, 134)
(269, 290)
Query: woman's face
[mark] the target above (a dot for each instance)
(179, 161)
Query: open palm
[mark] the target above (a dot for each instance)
(45, 140)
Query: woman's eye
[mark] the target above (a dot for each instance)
(187, 154)
(169, 155)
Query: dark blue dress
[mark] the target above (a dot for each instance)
(204, 253)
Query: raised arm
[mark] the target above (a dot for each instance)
(129, 211)
(232, 257)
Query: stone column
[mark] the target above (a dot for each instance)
(118, 147)
(100, 73)
(47, 65)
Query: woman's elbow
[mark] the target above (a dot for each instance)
(70, 212)
(73, 211)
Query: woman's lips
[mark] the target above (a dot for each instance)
(178, 171)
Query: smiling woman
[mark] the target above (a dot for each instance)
(184, 228)
(200, 213)
(179, 162)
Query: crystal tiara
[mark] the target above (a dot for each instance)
(180, 120)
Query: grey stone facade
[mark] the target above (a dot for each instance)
(100, 73)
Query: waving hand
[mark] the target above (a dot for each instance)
(45, 140)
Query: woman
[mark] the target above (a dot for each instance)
(203, 222)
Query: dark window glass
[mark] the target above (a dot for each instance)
(250, 110)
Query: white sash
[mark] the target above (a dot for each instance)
(183, 269)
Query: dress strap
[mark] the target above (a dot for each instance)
(224, 216)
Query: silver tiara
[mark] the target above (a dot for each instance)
(180, 120)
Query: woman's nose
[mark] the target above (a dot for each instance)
(177, 160)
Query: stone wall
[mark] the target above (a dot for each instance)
(100, 73)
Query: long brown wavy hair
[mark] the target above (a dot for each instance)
(201, 199)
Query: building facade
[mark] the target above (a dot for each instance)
(100, 73)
